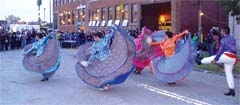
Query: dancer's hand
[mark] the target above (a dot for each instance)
(149, 40)
(84, 63)
(186, 31)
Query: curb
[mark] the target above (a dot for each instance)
(219, 73)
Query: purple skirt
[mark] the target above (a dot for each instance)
(115, 69)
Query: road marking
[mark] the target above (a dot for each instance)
(174, 95)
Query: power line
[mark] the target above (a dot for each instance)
(211, 19)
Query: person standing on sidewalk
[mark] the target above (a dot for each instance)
(226, 55)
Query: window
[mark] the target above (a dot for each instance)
(125, 12)
(55, 3)
(55, 21)
(117, 12)
(68, 17)
(134, 14)
(97, 14)
(90, 15)
(73, 17)
(110, 16)
(81, 15)
(104, 13)
(64, 18)
(60, 2)
(78, 15)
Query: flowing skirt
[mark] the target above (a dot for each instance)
(48, 62)
(115, 69)
(176, 67)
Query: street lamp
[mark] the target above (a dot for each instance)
(39, 3)
(200, 14)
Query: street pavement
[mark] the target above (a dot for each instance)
(21, 87)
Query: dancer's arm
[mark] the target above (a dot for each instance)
(179, 36)
(35, 46)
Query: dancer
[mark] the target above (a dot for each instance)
(43, 56)
(145, 52)
(226, 55)
(177, 60)
(101, 64)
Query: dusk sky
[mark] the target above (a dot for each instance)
(27, 10)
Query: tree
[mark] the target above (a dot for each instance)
(12, 19)
(232, 7)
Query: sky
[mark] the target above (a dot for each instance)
(27, 10)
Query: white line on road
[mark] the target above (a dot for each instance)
(173, 95)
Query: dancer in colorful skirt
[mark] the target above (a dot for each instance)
(101, 64)
(227, 54)
(145, 52)
(43, 56)
(177, 60)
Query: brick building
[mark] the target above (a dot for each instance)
(175, 15)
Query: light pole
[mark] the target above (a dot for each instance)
(200, 14)
(50, 11)
(39, 3)
(44, 13)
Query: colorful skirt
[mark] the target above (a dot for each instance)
(147, 52)
(176, 67)
(115, 69)
(48, 62)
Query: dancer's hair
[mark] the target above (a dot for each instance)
(169, 34)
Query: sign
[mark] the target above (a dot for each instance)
(109, 23)
(90, 23)
(97, 24)
(117, 22)
(103, 23)
(125, 22)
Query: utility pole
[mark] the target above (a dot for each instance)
(39, 3)
(50, 11)
(44, 14)
(200, 13)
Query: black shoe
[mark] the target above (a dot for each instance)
(172, 83)
(230, 93)
(137, 72)
(198, 61)
(44, 79)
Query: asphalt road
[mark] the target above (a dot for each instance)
(20, 87)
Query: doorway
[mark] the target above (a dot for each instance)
(156, 16)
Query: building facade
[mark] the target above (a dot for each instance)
(174, 15)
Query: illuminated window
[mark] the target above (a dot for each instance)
(125, 12)
(117, 13)
(68, 17)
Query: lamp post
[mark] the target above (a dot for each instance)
(50, 13)
(200, 14)
(39, 3)
(44, 13)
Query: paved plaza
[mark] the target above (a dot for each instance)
(20, 87)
